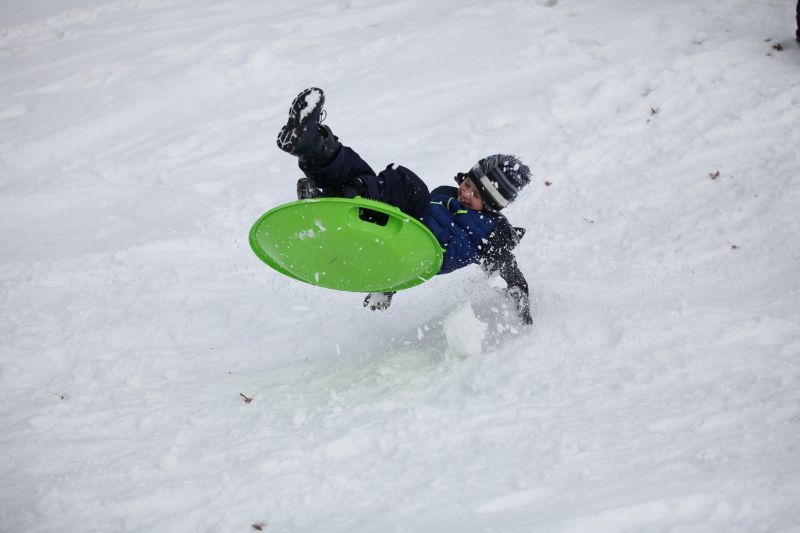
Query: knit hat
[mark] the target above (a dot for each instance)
(499, 179)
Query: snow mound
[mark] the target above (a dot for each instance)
(464, 332)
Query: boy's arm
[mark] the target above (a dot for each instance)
(497, 257)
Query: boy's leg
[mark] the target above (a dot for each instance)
(398, 186)
(326, 163)
(348, 175)
(337, 169)
(339, 175)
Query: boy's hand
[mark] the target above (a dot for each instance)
(522, 303)
(378, 301)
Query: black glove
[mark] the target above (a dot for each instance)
(378, 301)
(521, 302)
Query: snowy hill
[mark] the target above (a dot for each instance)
(156, 376)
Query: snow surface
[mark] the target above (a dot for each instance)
(156, 376)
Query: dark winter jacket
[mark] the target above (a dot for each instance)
(469, 237)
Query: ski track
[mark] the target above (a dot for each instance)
(155, 376)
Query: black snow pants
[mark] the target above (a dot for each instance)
(396, 185)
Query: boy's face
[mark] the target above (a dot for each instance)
(469, 196)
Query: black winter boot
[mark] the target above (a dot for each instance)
(307, 189)
(303, 136)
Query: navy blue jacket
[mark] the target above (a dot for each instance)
(470, 237)
(459, 230)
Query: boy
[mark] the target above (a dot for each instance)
(465, 220)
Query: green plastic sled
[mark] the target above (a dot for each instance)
(327, 242)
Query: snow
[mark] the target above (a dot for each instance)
(464, 331)
(658, 389)
(311, 99)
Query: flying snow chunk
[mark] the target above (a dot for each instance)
(464, 331)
